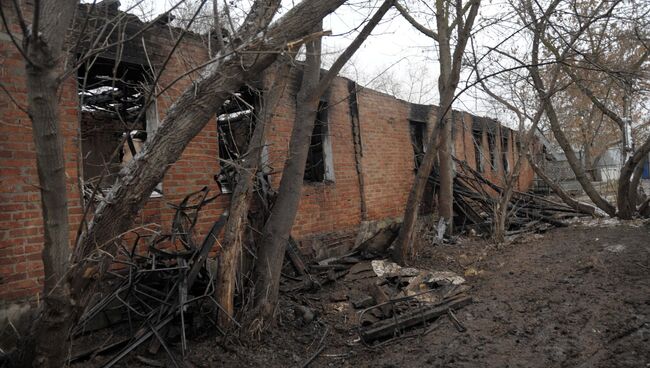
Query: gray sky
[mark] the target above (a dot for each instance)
(398, 49)
(395, 54)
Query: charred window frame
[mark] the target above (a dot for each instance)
(504, 150)
(492, 146)
(418, 132)
(112, 96)
(319, 167)
(235, 125)
(477, 137)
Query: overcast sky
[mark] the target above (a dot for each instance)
(395, 52)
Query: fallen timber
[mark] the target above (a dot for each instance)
(158, 287)
(475, 205)
(396, 326)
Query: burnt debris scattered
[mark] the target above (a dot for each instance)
(161, 286)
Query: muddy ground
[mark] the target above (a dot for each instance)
(573, 297)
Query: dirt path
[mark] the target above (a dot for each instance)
(578, 297)
(574, 297)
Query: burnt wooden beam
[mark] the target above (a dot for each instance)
(358, 144)
(394, 326)
(293, 252)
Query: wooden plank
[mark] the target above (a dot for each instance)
(295, 257)
(391, 327)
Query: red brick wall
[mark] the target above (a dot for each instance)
(325, 208)
(21, 230)
(329, 206)
(388, 161)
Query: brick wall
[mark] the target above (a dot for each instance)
(21, 229)
(329, 212)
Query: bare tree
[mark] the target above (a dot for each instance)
(234, 232)
(278, 227)
(561, 36)
(44, 59)
(454, 22)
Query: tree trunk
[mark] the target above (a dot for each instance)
(445, 150)
(450, 65)
(404, 243)
(637, 196)
(588, 161)
(575, 163)
(500, 215)
(43, 49)
(278, 227)
(53, 322)
(511, 179)
(446, 88)
(228, 260)
(566, 198)
(560, 137)
(627, 209)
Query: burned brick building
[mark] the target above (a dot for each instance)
(365, 147)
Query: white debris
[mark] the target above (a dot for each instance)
(615, 248)
(391, 269)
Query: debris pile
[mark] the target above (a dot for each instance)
(474, 201)
(403, 298)
(163, 285)
(390, 300)
(157, 293)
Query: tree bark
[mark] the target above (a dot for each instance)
(228, 260)
(566, 198)
(626, 208)
(277, 229)
(447, 84)
(43, 50)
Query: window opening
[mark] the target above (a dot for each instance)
(319, 165)
(504, 151)
(492, 145)
(235, 125)
(477, 137)
(112, 96)
(418, 134)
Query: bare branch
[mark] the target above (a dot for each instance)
(13, 38)
(351, 49)
(424, 30)
(21, 18)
